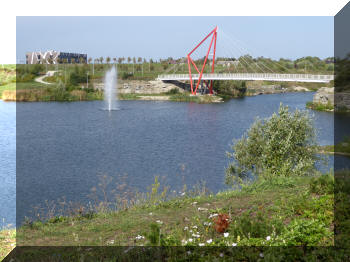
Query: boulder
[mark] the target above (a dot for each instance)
(325, 96)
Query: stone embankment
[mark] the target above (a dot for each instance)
(339, 100)
(146, 87)
(324, 96)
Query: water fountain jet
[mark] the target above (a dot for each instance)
(110, 89)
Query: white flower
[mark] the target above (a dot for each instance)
(191, 231)
(189, 252)
(234, 244)
(110, 242)
(159, 222)
(209, 241)
(213, 215)
(226, 234)
(268, 238)
(201, 244)
(151, 214)
(207, 223)
(196, 235)
(184, 241)
(190, 240)
(202, 209)
(261, 255)
(139, 237)
(221, 254)
(194, 203)
(184, 193)
(185, 228)
(195, 227)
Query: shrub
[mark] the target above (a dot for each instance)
(230, 88)
(323, 184)
(249, 225)
(305, 232)
(126, 75)
(173, 91)
(283, 145)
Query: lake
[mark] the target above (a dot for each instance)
(63, 147)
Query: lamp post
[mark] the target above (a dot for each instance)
(87, 80)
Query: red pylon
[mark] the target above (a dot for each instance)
(190, 61)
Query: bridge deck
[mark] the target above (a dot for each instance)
(252, 76)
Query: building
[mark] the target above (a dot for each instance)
(54, 57)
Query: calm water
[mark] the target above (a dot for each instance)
(7, 163)
(63, 147)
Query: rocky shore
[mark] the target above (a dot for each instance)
(327, 100)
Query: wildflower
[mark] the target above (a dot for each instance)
(221, 254)
(261, 255)
(268, 238)
(110, 242)
(202, 209)
(185, 228)
(195, 227)
(226, 234)
(194, 203)
(196, 235)
(159, 222)
(151, 214)
(201, 244)
(184, 193)
(190, 240)
(209, 241)
(191, 231)
(184, 241)
(189, 252)
(213, 215)
(207, 223)
(234, 244)
(139, 237)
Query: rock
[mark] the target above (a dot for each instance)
(325, 96)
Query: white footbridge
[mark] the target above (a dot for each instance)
(251, 76)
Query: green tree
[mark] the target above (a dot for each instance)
(283, 145)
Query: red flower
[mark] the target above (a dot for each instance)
(221, 223)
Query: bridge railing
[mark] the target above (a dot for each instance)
(247, 76)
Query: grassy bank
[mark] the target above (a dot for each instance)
(342, 148)
(281, 212)
(7, 242)
(320, 107)
(176, 97)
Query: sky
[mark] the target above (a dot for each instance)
(163, 37)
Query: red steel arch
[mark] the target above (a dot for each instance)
(213, 33)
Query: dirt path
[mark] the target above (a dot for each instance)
(40, 79)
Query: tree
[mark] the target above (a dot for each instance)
(139, 60)
(283, 145)
(101, 59)
(114, 60)
(90, 60)
(133, 65)
(108, 59)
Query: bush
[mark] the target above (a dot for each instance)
(305, 232)
(322, 185)
(126, 75)
(255, 226)
(283, 145)
(78, 76)
(173, 91)
(230, 88)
